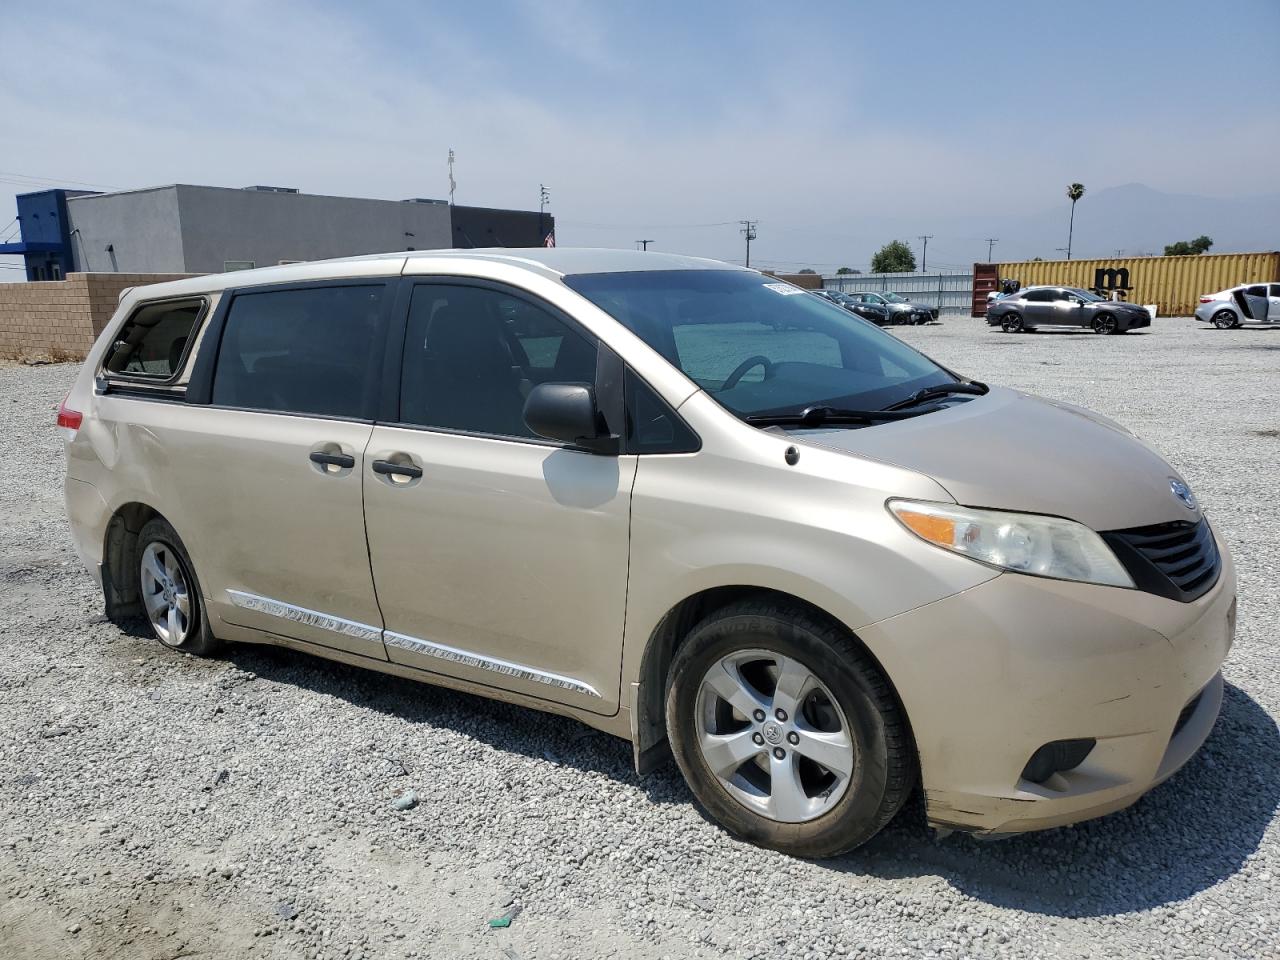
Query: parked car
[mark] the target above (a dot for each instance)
(875, 312)
(1050, 306)
(676, 500)
(1248, 305)
(899, 309)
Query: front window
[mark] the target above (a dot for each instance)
(1085, 295)
(895, 298)
(758, 346)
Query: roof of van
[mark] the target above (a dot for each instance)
(547, 261)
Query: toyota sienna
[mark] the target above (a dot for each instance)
(672, 498)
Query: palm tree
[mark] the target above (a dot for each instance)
(1074, 192)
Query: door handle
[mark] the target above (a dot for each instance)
(344, 460)
(386, 467)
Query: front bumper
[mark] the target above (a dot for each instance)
(990, 675)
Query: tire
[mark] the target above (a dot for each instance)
(847, 714)
(1225, 320)
(1012, 323)
(170, 593)
(1104, 324)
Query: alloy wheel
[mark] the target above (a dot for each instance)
(1224, 319)
(166, 594)
(774, 736)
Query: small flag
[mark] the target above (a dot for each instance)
(551, 239)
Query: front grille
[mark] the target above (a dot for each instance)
(1176, 560)
(1186, 713)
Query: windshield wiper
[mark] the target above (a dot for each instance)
(817, 415)
(940, 390)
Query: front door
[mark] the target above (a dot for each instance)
(499, 558)
(273, 463)
(1068, 309)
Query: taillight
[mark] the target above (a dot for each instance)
(69, 420)
(1206, 299)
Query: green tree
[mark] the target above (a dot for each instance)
(846, 270)
(1186, 248)
(1074, 192)
(894, 257)
(806, 270)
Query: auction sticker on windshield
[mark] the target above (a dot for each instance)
(785, 289)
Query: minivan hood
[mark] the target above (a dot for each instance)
(1013, 451)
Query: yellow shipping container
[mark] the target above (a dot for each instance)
(1175, 284)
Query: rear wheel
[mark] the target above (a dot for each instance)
(1104, 324)
(170, 592)
(786, 732)
(1012, 323)
(1225, 320)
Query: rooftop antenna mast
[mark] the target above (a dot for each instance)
(452, 185)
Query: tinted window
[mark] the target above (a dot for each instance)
(472, 354)
(1275, 289)
(314, 350)
(652, 426)
(757, 346)
(1040, 296)
(1258, 291)
(154, 340)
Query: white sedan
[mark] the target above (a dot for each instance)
(1248, 305)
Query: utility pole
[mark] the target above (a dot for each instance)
(991, 242)
(1120, 253)
(643, 244)
(544, 197)
(924, 253)
(749, 231)
(452, 185)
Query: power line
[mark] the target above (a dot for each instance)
(77, 183)
(646, 226)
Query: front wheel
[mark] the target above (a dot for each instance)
(170, 592)
(1225, 320)
(785, 731)
(1104, 324)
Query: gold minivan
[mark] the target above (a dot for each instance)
(678, 500)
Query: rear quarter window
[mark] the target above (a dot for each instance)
(154, 341)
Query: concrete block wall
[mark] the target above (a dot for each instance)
(58, 320)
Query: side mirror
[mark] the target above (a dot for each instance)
(567, 412)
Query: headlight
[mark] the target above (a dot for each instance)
(1021, 542)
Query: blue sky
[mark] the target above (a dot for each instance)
(830, 123)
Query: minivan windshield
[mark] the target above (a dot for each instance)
(758, 346)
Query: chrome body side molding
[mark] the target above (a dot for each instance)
(504, 667)
(311, 618)
(372, 634)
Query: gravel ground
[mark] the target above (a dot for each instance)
(159, 806)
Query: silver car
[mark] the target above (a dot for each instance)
(677, 500)
(1054, 306)
(1248, 305)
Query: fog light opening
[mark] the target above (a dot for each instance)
(1057, 756)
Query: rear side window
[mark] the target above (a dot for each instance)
(309, 351)
(153, 342)
(1040, 296)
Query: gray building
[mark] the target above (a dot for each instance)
(192, 229)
